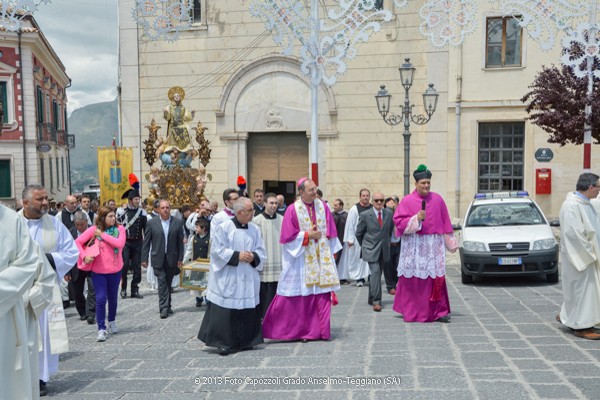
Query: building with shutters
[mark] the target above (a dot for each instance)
(34, 140)
(256, 104)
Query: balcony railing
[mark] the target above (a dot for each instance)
(61, 137)
(46, 132)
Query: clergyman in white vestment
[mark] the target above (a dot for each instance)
(57, 243)
(26, 282)
(580, 258)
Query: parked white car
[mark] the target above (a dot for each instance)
(507, 234)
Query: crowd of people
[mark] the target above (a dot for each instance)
(274, 267)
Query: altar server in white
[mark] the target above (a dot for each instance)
(232, 319)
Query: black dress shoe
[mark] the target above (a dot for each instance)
(43, 388)
(199, 302)
(83, 317)
(136, 295)
(91, 320)
(123, 294)
(66, 304)
(164, 313)
(445, 319)
(223, 351)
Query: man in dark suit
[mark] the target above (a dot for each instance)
(373, 234)
(86, 307)
(165, 235)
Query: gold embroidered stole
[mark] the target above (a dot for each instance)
(319, 267)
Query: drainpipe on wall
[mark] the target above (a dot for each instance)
(25, 181)
(457, 117)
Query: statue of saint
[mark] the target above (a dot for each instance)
(178, 117)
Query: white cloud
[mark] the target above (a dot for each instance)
(84, 33)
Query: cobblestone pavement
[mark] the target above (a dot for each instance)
(503, 343)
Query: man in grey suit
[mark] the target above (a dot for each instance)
(165, 234)
(373, 234)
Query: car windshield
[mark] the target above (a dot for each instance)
(502, 214)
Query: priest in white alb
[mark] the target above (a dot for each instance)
(59, 247)
(232, 318)
(26, 282)
(301, 309)
(580, 259)
(358, 269)
(269, 223)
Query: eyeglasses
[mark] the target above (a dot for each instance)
(378, 200)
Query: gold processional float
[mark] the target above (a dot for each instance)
(176, 180)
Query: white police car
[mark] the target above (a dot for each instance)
(506, 234)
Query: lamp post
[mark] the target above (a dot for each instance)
(430, 99)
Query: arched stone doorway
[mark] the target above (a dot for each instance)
(269, 100)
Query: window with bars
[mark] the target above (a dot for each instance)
(501, 146)
(503, 42)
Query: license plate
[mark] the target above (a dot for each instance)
(510, 261)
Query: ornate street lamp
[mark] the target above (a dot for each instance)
(430, 99)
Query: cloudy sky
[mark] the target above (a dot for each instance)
(84, 34)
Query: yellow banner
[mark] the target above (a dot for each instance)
(114, 167)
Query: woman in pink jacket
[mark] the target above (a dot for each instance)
(106, 267)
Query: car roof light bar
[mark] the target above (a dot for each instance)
(501, 195)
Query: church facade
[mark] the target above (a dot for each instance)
(256, 104)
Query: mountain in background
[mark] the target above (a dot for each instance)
(94, 126)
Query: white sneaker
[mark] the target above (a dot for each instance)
(112, 327)
(102, 335)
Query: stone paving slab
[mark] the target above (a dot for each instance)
(502, 343)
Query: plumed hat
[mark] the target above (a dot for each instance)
(134, 182)
(134, 192)
(421, 173)
(130, 194)
(241, 182)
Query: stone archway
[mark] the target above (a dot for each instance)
(270, 95)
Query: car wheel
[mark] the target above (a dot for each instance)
(553, 277)
(466, 279)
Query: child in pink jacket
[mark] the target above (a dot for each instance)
(106, 266)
